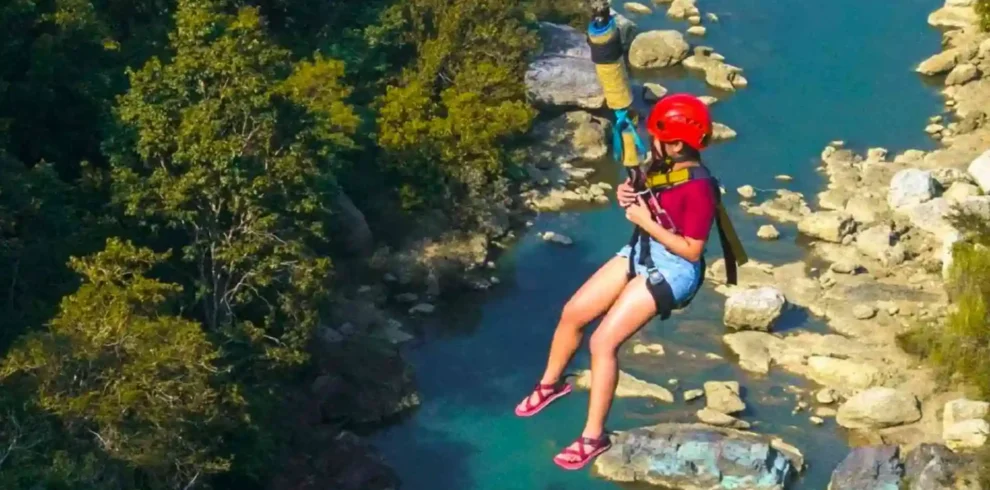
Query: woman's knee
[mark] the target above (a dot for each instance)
(574, 314)
(603, 345)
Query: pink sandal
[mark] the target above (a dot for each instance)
(556, 390)
(598, 446)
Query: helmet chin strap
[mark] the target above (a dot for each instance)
(667, 161)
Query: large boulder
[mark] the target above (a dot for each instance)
(718, 74)
(564, 75)
(910, 186)
(752, 349)
(842, 373)
(931, 216)
(869, 468)
(877, 408)
(961, 74)
(942, 62)
(573, 136)
(681, 9)
(831, 226)
(961, 409)
(657, 49)
(931, 467)
(968, 434)
(875, 242)
(696, 456)
(754, 309)
(954, 16)
(980, 170)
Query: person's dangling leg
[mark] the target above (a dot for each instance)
(634, 307)
(589, 302)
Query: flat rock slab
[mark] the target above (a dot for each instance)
(696, 457)
(871, 467)
(629, 387)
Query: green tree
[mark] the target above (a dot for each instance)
(232, 145)
(448, 122)
(123, 373)
(983, 10)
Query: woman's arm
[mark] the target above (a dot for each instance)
(686, 247)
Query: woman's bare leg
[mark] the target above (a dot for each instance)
(589, 302)
(630, 312)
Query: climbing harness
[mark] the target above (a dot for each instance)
(675, 119)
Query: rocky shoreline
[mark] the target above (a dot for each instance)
(880, 226)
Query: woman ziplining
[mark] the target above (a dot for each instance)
(672, 205)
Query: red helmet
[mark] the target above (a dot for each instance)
(681, 117)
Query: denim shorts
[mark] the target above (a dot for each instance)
(683, 275)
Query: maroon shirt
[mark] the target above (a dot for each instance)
(690, 208)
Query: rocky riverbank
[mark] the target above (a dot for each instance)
(882, 228)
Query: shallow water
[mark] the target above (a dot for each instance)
(817, 73)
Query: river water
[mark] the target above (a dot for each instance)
(817, 72)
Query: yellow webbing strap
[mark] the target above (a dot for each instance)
(667, 179)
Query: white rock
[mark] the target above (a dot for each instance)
(952, 16)
(637, 8)
(723, 396)
(557, 238)
(768, 232)
(961, 74)
(721, 132)
(754, 309)
(877, 408)
(968, 434)
(934, 129)
(629, 387)
(842, 373)
(752, 349)
(746, 192)
(422, 309)
(652, 92)
(830, 226)
(961, 191)
(864, 312)
(650, 349)
(816, 420)
(712, 17)
(939, 63)
(407, 297)
(740, 81)
(979, 168)
(961, 409)
(693, 395)
(697, 30)
(708, 100)
(910, 186)
(719, 419)
(657, 49)
(876, 154)
(825, 396)
(931, 216)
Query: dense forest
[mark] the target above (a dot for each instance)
(171, 178)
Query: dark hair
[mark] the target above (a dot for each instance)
(688, 153)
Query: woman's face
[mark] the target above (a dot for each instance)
(671, 148)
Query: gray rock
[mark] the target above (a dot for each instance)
(968, 434)
(961, 74)
(752, 349)
(869, 468)
(979, 168)
(866, 209)
(953, 16)
(931, 467)
(831, 226)
(350, 224)
(696, 456)
(962, 409)
(825, 396)
(877, 408)
(723, 396)
(422, 309)
(564, 81)
(754, 309)
(657, 49)
(842, 373)
(931, 216)
(909, 187)
(407, 297)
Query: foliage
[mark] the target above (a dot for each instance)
(571, 12)
(232, 145)
(447, 121)
(118, 369)
(983, 10)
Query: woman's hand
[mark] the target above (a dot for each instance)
(626, 195)
(638, 213)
